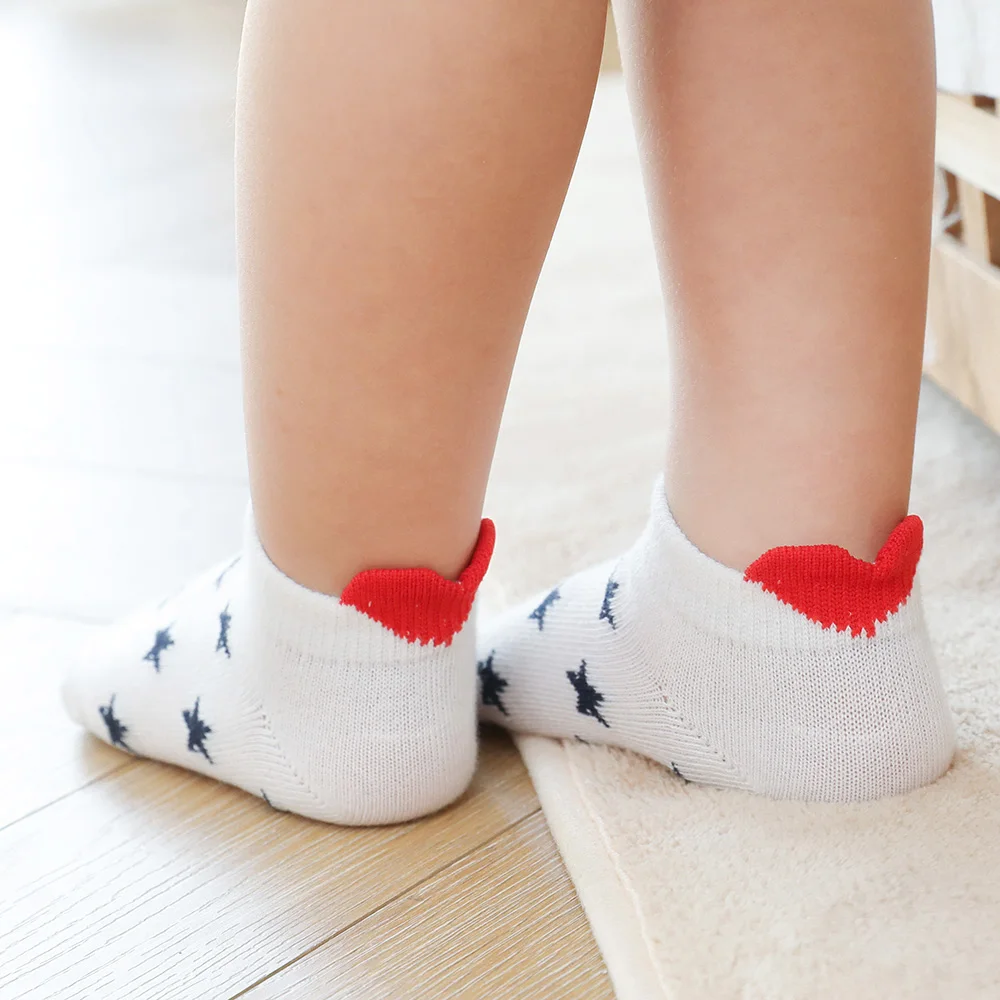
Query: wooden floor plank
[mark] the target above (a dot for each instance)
(157, 884)
(45, 755)
(501, 922)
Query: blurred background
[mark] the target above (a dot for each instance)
(119, 382)
(123, 473)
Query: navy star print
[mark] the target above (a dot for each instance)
(219, 578)
(162, 642)
(606, 613)
(116, 728)
(587, 696)
(222, 646)
(492, 684)
(197, 731)
(539, 613)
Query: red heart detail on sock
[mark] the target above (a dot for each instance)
(830, 586)
(420, 605)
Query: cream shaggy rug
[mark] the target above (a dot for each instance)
(697, 893)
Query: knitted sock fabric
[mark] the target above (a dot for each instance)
(808, 677)
(358, 710)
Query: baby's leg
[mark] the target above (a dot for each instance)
(791, 188)
(787, 150)
(400, 167)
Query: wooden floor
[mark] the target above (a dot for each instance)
(121, 458)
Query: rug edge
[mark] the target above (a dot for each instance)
(606, 902)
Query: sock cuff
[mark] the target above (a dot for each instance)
(420, 605)
(833, 588)
(664, 537)
(417, 605)
(824, 584)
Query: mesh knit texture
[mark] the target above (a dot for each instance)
(809, 677)
(331, 708)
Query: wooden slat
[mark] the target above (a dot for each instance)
(980, 213)
(968, 143)
(993, 230)
(975, 228)
(503, 922)
(154, 883)
(972, 206)
(964, 318)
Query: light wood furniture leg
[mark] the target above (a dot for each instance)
(964, 300)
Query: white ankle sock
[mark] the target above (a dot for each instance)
(809, 677)
(357, 710)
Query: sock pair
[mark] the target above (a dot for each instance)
(810, 676)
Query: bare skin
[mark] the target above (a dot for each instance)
(788, 154)
(400, 169)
